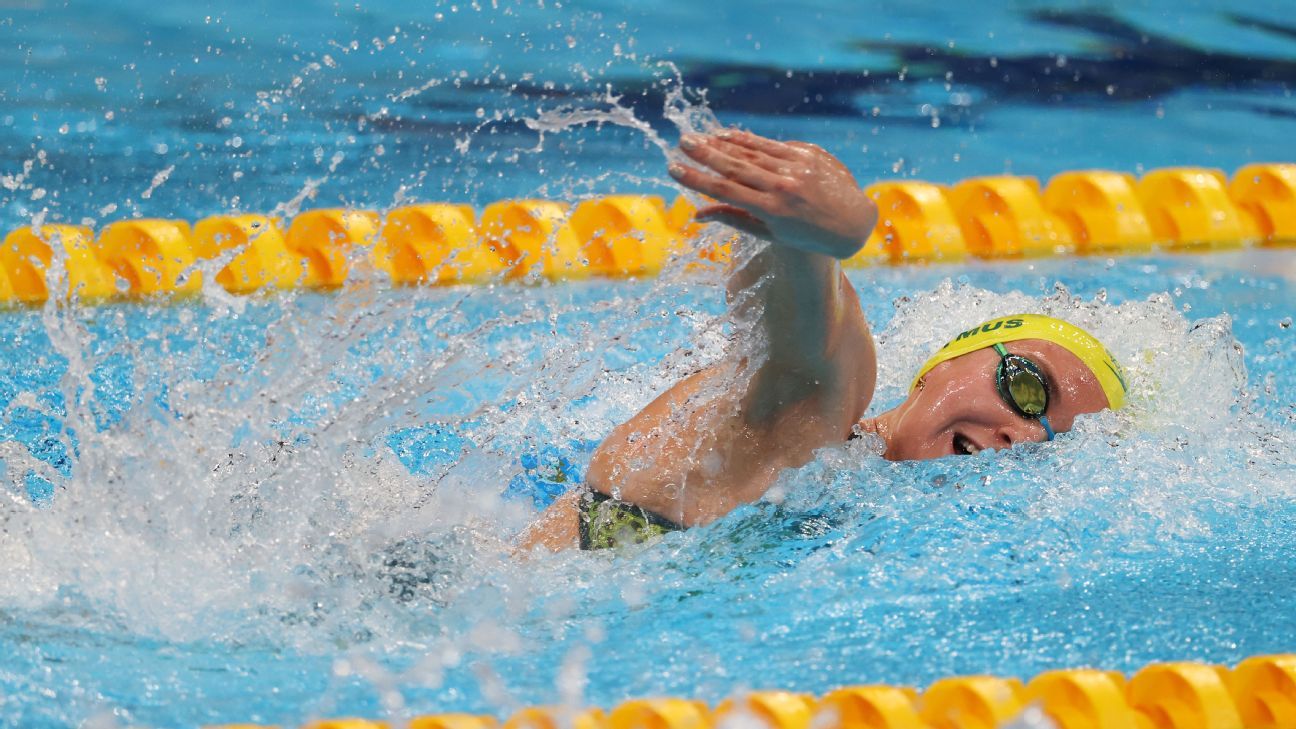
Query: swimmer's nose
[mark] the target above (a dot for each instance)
(1018, 431)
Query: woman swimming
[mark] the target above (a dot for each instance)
(719, 438)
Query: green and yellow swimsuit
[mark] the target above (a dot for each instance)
(606, 522)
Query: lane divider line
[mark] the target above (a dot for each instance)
(1259, 693)
(1085, 212)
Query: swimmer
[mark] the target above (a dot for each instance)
(720, 437)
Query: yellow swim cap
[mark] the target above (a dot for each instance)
(1037, 326)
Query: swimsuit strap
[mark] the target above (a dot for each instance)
(607, 522)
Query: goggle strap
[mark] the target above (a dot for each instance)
(1000, 349)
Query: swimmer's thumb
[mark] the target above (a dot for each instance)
(734, 217)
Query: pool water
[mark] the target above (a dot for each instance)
(298, 505)
(304, 507)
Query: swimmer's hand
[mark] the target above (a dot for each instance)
(792, 194)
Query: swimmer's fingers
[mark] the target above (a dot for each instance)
(785, 158)
(744, 166)
(721, 188)
(777, 165)
(734, 217)
(780, 150)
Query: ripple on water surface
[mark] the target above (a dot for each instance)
(317, 493)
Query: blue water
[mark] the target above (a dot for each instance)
(251, 107)
(301, 505)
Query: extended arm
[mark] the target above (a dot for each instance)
(718, 439)
(808, 206)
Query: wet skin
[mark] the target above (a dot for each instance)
(958, 409)
(720, 437)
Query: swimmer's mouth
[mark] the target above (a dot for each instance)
(963, 446)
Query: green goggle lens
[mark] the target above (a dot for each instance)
(1021, 384)
(1026, 392)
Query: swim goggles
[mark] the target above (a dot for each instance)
(1022, 385)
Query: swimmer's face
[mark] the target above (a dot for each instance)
(958, 409)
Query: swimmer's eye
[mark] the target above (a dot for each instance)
(1022, 384)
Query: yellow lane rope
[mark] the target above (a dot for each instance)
(1259, 693)
(1083, 212)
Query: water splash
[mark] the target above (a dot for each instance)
(329, 475)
